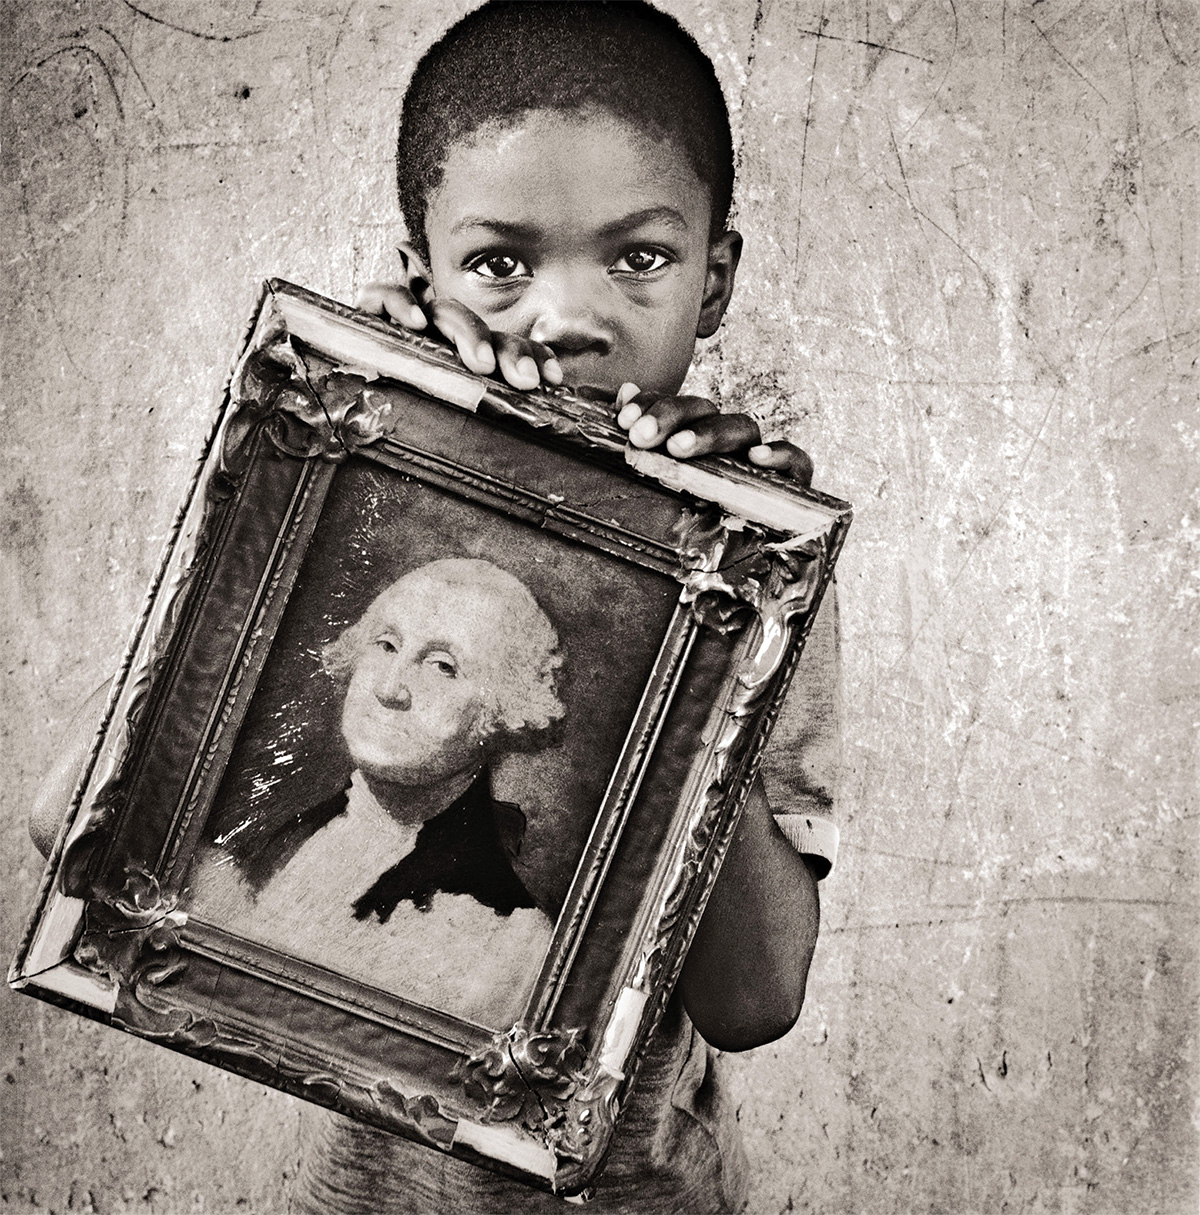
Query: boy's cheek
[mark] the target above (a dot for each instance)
(496, 308)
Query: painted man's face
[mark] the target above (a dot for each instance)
(417, 707)
(582, 232)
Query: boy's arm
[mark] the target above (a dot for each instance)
(54, 793)
(744, 979)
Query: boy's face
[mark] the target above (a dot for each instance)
(582, 232)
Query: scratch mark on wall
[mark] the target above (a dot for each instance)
(751, 54)
(982, 1076)
(808, 112)
(1162, 29)
(182, 29)
(945, 305)
(993, 909)
(133, 67)
(1144, 204)
(81, 65)
(1089, 900)
(1119, 316)
(1060, 55)
(947, 862)
(945, 75)
(89, 53)
(875, 46)
(989, 281)
(892, 925)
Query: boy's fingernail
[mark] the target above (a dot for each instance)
(759, 452)
(628, 415)
(552, 371)
(626, 393)
(486, 355)
(681, 443)
(644, 432)
(417, 318)
(527, 369)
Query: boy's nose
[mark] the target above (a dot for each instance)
(567, 319)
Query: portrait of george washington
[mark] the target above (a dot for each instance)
(404, 878)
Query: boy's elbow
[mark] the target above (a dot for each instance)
(50, 806)
(758, 1027)
(751, 1017)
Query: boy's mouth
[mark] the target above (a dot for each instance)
(590, 392)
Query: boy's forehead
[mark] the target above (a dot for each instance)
(553, 168)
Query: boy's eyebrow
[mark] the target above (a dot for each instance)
(670, 216)
(498, 226)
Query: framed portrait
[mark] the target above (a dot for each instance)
(427, 745)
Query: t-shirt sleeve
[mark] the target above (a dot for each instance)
(801, 769)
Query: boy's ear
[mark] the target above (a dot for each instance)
(416, 274)
(723, 256)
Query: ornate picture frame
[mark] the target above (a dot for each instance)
(349, 459)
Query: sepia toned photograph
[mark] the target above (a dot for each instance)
(326, 893)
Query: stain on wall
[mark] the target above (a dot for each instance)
(969, 290)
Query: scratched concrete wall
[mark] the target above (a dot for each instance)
(969, 290)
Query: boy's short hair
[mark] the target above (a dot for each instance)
(508, 58)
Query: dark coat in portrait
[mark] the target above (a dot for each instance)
(466, 849)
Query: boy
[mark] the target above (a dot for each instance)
(565, 172)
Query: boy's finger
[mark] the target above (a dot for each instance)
(785, 458)
(515, 358)
(663, 416)
(547, 362)
(524, 363)
(631, 403)
(719, 432)
(470, 335)
(393, 301)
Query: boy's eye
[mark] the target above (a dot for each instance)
(640, 261)
(499, 265)
(387, 645)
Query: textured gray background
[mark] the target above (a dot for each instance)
(969, 291)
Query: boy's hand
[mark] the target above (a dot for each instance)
(412, 304)
(693, 426)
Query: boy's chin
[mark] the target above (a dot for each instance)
(606, 390)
